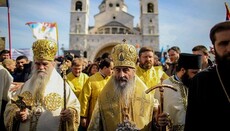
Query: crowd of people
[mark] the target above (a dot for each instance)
(72, 93)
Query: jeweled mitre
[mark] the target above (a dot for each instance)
(124, 55)
(44, 49)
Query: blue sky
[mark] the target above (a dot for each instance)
(185, 23)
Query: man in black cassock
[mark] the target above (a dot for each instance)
(208, 98)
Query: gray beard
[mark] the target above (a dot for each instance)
(124, 91)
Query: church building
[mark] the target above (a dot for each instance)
(113, 25)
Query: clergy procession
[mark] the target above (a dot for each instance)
(125, 91)
(115, 85)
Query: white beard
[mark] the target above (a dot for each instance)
(124, 90)
(39, 81)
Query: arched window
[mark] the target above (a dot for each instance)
(151, 29)
(78, 6)
(150, 20)
(77, 28)
(150, 8)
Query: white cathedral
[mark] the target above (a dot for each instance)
(113, 24)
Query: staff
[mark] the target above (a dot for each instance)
(63, 68)
(161, 89)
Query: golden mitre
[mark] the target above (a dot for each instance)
(124, 55)
(44, 49)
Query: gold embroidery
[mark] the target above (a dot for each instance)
(75, 122)
(143, 101)
(53, 101)
(27, 98)
(11, 118)
(178, 127)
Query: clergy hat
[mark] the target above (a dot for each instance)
(69, 57)
(190, 61)
(44, 49)
(124, 55)
(222, 26)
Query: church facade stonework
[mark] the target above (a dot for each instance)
(112, 25)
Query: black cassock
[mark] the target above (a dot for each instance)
(208, 107)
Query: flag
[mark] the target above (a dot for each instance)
(4, 3)
(44, 30)
(162, 56)
(227, 12)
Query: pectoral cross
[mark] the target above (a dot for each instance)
(126, 125)
(125, 113)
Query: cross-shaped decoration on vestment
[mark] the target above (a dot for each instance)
(143, 101)
(110, 100)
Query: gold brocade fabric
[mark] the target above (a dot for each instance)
(28, 98)
(53, 101)
(73, 124)
(90, 93)
(178, 128)
(152, 76)
(78, 82)
(140, 109)
(44, 112)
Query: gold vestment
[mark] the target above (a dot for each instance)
(90, 93)
(109, 111)
(151, 77)
(78, 82)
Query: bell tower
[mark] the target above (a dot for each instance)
(149, 17)
(149, 23)
(79, 18)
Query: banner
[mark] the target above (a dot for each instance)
(4, 3)
(227, 12)
(2, 43)
(24, 51)
(44, 30)
(162, 59)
